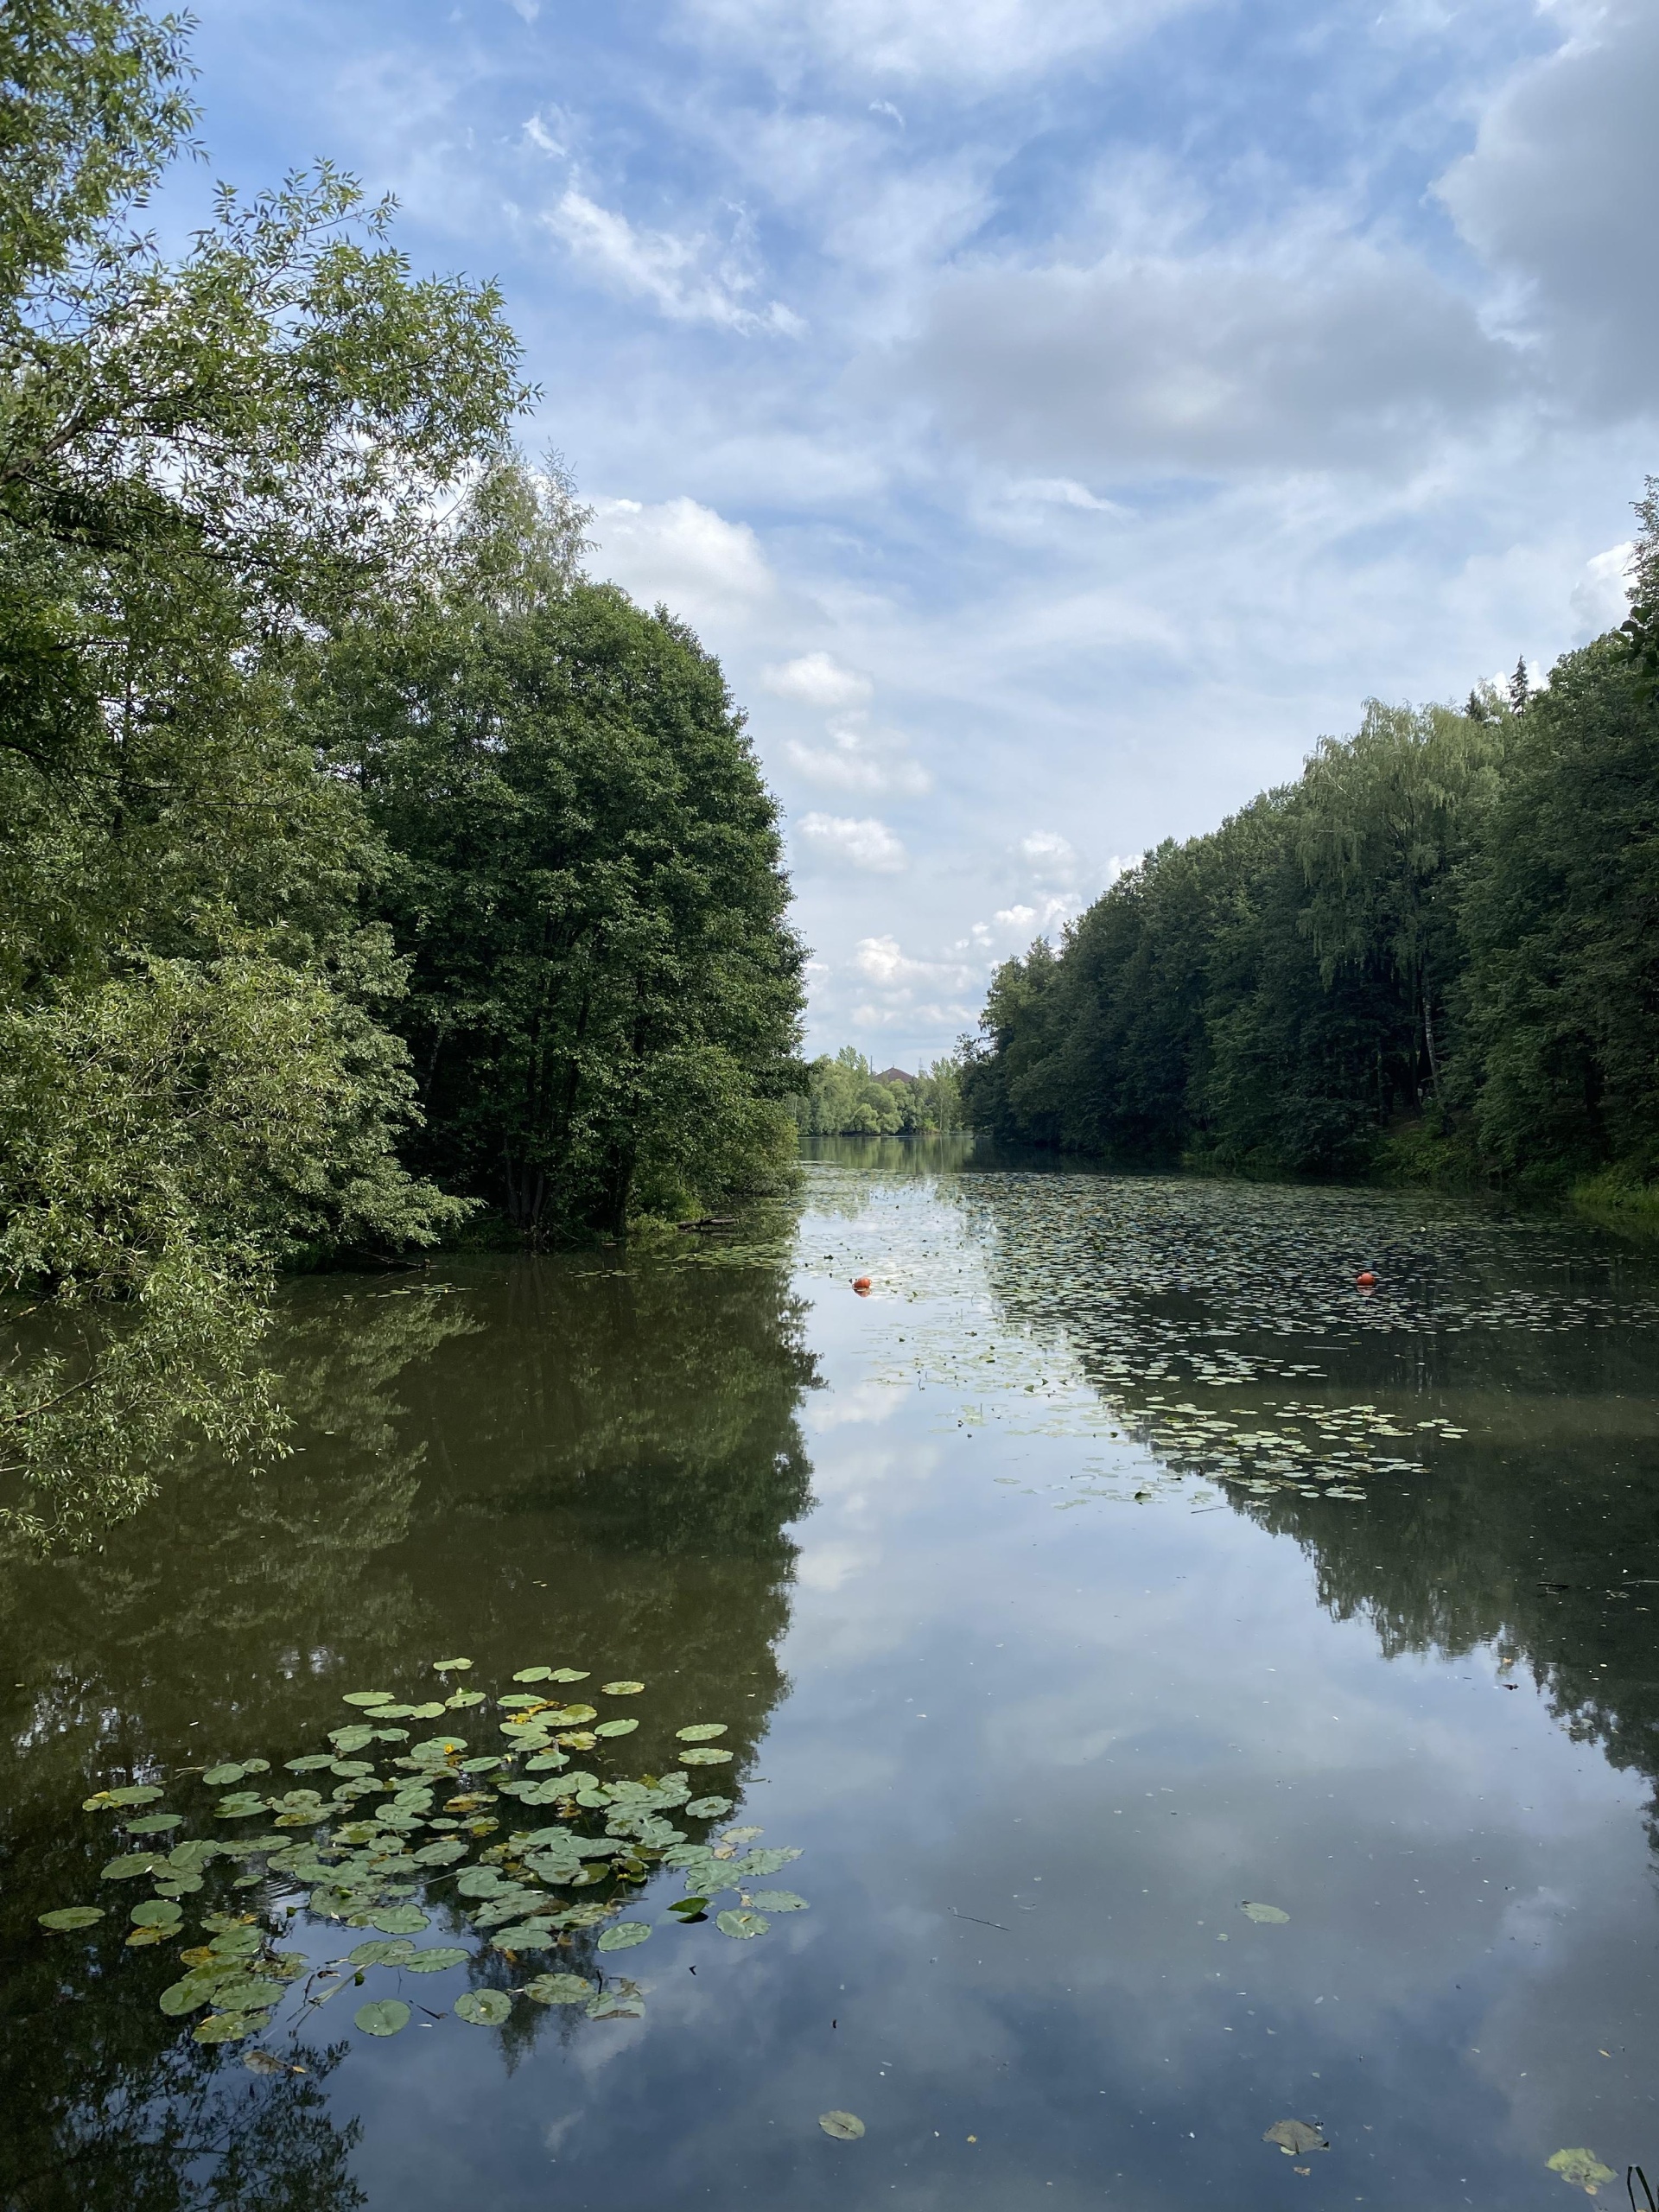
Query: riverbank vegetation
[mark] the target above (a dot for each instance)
(1433, 955)
(844, 1097)
(363, 866)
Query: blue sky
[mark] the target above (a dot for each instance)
(1057, 414)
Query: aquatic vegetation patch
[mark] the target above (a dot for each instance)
(433, 1832)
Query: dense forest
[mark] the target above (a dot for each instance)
(1436, 953)
(845, 1097)
(365, 869)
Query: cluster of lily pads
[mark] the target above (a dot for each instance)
(412, 1830)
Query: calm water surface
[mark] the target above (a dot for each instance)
(1115, 1563)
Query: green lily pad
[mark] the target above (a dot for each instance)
(444, 1853)
(841, 2127)
(621, 1689)
(388, 1951)
(230, 2027)
(1296, 2137)
(1582, 2169)
(438, 1960)
(156, 1912)
(398, 1919)
(616, 1728)
(708, 1808)
(570, 1674)
(1266, 1915)
(742, 1925)
(352, 1736)
(451, 1666)
(131, 1793)
(703, 1755)
(134, 1863)
(220, 1777)
(559, 1989)
(779, 1901)
(700, 1732)
(525, 1936)
(623, 2000)
(155, 1823)
(625, 1936)
(382, 2016)
(485, 2008)
(69, 1916)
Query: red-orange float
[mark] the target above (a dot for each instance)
(1367, 1280)
(862, 1285)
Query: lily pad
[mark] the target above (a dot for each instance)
(708, 1808)
(780, 1901)
(438, 1960)
(263, 2062)
(220, 1777)
(398, 1919)
(131, 1793)
(623, 2000)
(155, 1823)
(382, 2016)
(451, 1666)
(1296, 2137)
(616, 1728)
(841, 2127)
(704, 1755)
(485, 2008)
(1267, 1916)
(366, 1697)
(570, 1674)
(534, 1674)
(230, 2027)
(156, 1912)
(559, 1989)
(625, 1936)
(742, 1925)
(1582, 2169)
(133, 1864)
(621, 1689)
(700, 1732)
(70, 1916)
(388, 1951)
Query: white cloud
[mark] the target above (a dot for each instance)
(1323, 354)
(687, 279)
(869, 846)
(1559, 194)
(1600, 599)
(703, 566)
(859, 759)
(1052, 858)
(818, 681)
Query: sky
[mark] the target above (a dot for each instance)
(1057, 414)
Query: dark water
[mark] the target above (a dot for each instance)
(1095, 1575)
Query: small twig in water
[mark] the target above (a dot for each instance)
(981, 1924)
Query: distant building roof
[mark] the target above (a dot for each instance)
(895, 1075)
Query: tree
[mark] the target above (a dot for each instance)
(586, 877)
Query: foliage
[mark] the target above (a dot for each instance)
(1434, 951)
(843, 1097)
(585, 877)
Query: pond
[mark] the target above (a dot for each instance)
(1113, 1711)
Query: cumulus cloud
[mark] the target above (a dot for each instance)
(1344, 355)
(1601, 598)
(1050, 858)
(869, 846)
(1559, 194)
(703, 566)
(952, 39)
(687, 279)
(818, 681)
(858, 758)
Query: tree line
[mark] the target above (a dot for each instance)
(845, 1097)
(365, 867)
(1436, 953)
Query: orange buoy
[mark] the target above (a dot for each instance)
(862, 1285)
(1367, 1280)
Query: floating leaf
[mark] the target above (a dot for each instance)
(450, 1666)
(390, 1951)
(700, 1732)
(230, 2027)
(534, 1674)
(568, 1716)
(559, 1989)
(527, 1935)
(1267, 1916)
(366, 1697)
(621, 1689)
(625, 1936)
(155, 1823)
(569, 1674)
(457, 1699)
(843, 2126)
(780, 1901)
(623, 2000)
(134, 1864)
(437, 1961)
(263, 2062)
(220, 1777)
(155, 1912)
(708, 1808)
(742, 1925)
(616, 1728)
(352, 1737)
(399, 1919)
(444, 1853)
(70, 1916)
(485, 2008)
(704, 1755)
(1296, 2137)
(1582, 2169)
(382, 2016)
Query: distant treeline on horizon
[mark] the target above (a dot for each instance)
(1436, 953)
(845, 1098)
